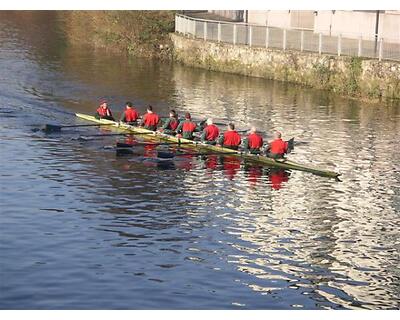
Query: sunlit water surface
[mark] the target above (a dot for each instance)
(82, 228)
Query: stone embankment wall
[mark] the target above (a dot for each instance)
(367, 79)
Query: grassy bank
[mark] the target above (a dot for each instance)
(141, 33)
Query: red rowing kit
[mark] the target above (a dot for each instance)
(231, 139)
(188, 126)
(278, 146)
(255, 141)
(104, 112)
(131, 115)
(150, 119)
(212, 132)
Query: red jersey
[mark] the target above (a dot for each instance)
(131, 115)
(173, 124)
(150, 119)
(255, 141)
(212, 132)
(188, 126)
(278, 146)
(104, 112)
(231, 139)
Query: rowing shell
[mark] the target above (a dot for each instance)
(259, 159)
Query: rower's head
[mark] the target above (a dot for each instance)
(128, 105)
(277, 135)
(150, 109)
(253, 129)
(103, 103)
(172, 113)
(188, 116)
(210, 121)
(231, 127)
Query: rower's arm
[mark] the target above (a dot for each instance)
(221, 140)
(203, 135)
(246, 143)
(166, 124)
(179, 129)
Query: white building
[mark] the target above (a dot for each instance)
(350, 24)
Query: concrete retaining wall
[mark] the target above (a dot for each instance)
(363, 78)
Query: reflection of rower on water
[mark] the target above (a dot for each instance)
(277, 177)
(254, 141)
(103, 112)
(150, 119)
(210, 133)
(231, 166)
(277, 147)
(231, 139)
(186, 127)
(130, 115)
(171, 124)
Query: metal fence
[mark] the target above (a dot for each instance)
(288, 39)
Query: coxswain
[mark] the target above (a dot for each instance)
(277, 147)
(103, 112)
(210, 133)
(187, 127)
(254, 141)
(150, 119)
(171, 124)
(231, 139)
(130, 115)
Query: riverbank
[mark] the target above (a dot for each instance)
(139, 33)
(365, 79)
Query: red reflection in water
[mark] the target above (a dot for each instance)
(150, 151)
(185, 162)
(254, 174)
(231, 166)
(211, 162)
(277, 177)
(130, 140)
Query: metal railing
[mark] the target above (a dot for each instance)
(288, 39)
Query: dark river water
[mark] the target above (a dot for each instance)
(82, 228)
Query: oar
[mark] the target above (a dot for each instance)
(128, 145)
(56, 128)
(94, 136)
(169, 155)
(290, 147)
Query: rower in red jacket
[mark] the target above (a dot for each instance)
(103, 112)
(150, 119)
(187, 127)
(231, 139)
(254, 141)
(277, 147)
(171, 124)
(210, 133)
(130, 115)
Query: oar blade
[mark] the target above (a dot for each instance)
(51, 128)
(165, 155)
(124, 145)
(290, 145)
